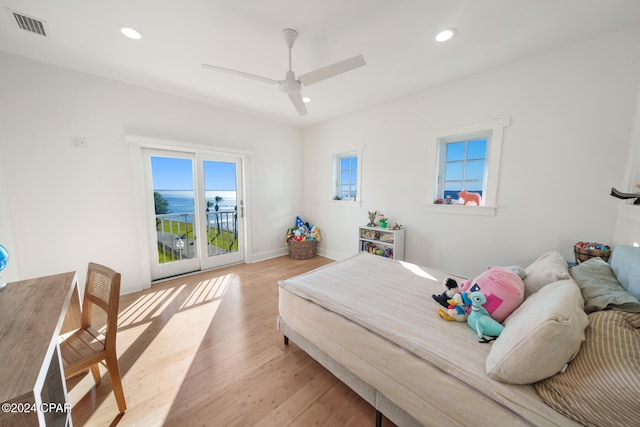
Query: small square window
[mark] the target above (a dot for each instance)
(462, 167)
(468, 159)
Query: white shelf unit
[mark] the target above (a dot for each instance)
(376, 239)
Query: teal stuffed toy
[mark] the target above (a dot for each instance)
(479, 319)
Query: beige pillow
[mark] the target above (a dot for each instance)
(549, 268)
(602, 384)
(541, 336)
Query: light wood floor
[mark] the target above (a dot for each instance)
(204, 350)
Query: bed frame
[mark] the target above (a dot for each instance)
(381, 404)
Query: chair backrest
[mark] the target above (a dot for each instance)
(102, 289)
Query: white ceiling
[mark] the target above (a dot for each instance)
(395, 37)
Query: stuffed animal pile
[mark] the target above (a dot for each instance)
(303, 231)
(483, 302)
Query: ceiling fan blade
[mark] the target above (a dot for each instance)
(296, 99)
(240, 73)
(332, 70)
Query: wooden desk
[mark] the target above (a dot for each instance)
(32, 386)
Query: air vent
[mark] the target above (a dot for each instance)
(29, 23)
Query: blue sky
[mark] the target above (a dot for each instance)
(176, 174)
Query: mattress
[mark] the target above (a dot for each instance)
(376, 317)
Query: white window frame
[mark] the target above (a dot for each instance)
(438, 139)
(336, 156)
(443, 144)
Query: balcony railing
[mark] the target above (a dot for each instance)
(176, 239)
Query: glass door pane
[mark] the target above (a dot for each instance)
(173, 214)
(222, 216)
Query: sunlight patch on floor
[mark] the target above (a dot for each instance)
(148, 306)
(151, 334)
(208, 290)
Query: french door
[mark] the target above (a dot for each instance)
(196, 211)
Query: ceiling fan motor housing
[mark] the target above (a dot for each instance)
(290, 84)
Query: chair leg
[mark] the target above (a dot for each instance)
(95, 370)
(116, 382)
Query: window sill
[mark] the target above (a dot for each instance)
(462, 209)
(345, 203)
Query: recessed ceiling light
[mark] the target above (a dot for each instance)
(306, 99)
(130, 32)
(445, 35)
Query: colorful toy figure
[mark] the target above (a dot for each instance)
(382, 220)
(458, 308)
(479, 319)
(303, 231)
(372, 218)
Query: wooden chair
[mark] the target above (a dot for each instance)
(87, 347)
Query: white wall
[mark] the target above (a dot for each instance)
(572, 113)
(62, 207)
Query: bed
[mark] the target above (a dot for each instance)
(372, 322)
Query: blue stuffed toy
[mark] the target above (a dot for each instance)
(479, 319)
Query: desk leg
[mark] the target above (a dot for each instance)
(73, 317)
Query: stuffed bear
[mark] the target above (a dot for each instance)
(502, 288)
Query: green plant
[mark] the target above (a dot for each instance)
(161, 204)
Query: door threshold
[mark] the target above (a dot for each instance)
(193, 273)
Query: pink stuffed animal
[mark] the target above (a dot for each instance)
(469, 197)
(503, 288)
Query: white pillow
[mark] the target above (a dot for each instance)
(549, 268)
(541, 336)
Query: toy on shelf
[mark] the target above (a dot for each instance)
(370, 234)
(382, 220)
(372, 218)
(373, 249)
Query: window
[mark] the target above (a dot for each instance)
(346, 175)
(463, 161)
(468, 159)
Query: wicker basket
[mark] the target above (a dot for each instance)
(583, 254)
(302, 250)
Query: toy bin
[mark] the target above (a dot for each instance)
(305, 249)
(586, 250)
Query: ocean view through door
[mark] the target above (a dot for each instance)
(197, 211)
(222, 210)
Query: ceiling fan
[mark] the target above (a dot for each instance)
(291, 85)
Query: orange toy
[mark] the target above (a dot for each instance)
(469, 197)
